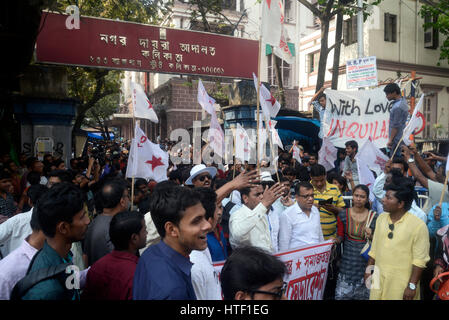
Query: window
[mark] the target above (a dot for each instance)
(430, 34)
(430, 114)
(286, 71)
(390, 27)
(312, 60)
(289, 12)
(350, 31)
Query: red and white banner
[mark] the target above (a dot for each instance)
(306, 270)
(327, 154)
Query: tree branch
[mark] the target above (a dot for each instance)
(311, 7)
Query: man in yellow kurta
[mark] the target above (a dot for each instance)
(400, 247)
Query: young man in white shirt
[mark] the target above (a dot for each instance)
(299, 224)
(250, 224)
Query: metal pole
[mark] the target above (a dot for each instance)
(360, 29)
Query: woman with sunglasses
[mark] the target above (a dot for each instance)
(400, 247)
(350, 282)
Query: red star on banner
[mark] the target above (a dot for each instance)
(150, 106)
(269, 3)
(155, 162)
(272, 100)
(298, 264)
(242, 136)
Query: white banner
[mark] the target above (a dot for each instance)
(356, 115)
(361, 72)
(306, 270)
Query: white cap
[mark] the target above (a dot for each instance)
(198, 169)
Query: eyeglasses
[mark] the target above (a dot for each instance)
(390, 235)
(201, 178)
(277, 295)
(306, 196)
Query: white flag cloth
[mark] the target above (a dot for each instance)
(243, 144)
(282, 50)
(206, 102)
(148, 160)
(366, 177)
(216, 136)
(371, 155)
(270, 106)
(271, 22)
(263, 136)
(447, 164)
(416, 121)
(296, 154)
(142, 106)
(274, 133)
(327, 154)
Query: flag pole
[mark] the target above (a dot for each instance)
(132, 178)
(258, 102)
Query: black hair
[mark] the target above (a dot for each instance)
(366, 190)
(341, 180)
(321, 95)
(139, 182)
(29, 161)
(244, 191)
(167, 204)
(402, 161)
(112, 192)
(392, 88)
(63, 175)
(313, 154)
(317, 170)
(175, 175)
(208, 200)
(289, 171)
(60, 203)
(57, 162)
(305, 184)
(34, 221)
(123, 225)
(33, 177)
(4, 174)
(404, 190)
(353, 144)
(35, 192)
(249, 268)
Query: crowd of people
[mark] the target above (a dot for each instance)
(87, 232)
(161, 242)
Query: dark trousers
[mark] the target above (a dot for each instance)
(332, 273)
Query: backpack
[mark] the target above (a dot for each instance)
(33, 278)
(225, 218)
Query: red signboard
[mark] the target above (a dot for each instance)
(123, 45)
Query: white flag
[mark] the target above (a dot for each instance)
(296, 154)
(262, 142)
(371, 155)
(447, 164)
(142, 106)
(216, 136)
(327, 154)
(282, 50)
(131, 168)
(270, 106)
(149, 161)
(366, 177)
(274, 133)
(243, 144)
(271, 22)
(416, 122)
(206, 102)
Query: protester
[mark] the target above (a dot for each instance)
(350, 163)
(398, 117)
(111, 277)
(397, 271)
(438, 218)
(441, 262)
(114, 199)
(63, 220)
(350, 282)
(164, 269)
(300, 223)
(204, 277)
(250, 225)
(14, 267)
(251, 273)
(14, 230)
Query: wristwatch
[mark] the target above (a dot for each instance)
(411, 160)
(412, 286)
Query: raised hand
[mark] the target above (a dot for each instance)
(270, 195)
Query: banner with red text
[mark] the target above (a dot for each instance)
(306, 270)
(356, 115)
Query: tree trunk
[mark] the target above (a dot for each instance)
(338, 39)
(324, 52)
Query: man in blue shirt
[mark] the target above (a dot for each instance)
(398, 117)
(164, 269)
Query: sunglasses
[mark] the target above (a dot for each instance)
(277, 295)
(390, 234)
(202, 178)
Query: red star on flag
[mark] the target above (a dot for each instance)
(269, 3)
(155, 162)
(298, 265)
(272, 100)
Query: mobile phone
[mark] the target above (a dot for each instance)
(323, 202)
